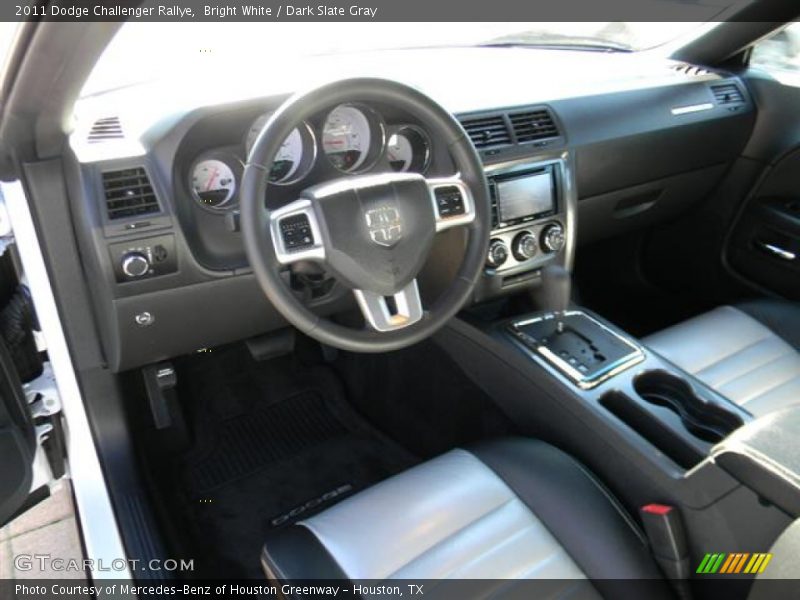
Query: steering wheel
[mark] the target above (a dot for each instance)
(373, 233)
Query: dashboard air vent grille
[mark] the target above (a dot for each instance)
(129, 193)
(487, 131)
(533, 125)
(103, 130)
(693, 70)
(727, 93)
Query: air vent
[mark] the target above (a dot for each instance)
(692, 70)
(487, 131)
(533, 125)
(104, 130)
(128, 193)
(727, 93)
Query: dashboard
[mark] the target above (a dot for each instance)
(605, 145)
(353, 138)
(348, 139)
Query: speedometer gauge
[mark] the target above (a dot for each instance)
(408, 150)
(213, 183)
(346, 137)
(291, 162)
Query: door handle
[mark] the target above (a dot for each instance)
(776, 251)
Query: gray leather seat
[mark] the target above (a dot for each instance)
(748, 353)
(509, 509)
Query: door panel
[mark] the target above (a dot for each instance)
(764, 244)
(17, 440)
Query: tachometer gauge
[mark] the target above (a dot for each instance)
(213, 183)
(291, 161)
(346, 137)
(408, 150)
(288, 158)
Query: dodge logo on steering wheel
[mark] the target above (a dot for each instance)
(385, 225)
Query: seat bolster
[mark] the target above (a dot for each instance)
(780, 316)
(294, 553)
(579, 512)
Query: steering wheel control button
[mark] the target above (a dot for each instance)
(498, 254)
(524, 246)
(449, 201)
(296, 232)
(553, 238)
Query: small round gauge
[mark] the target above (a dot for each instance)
(290, 157)
(213, 183)
(346, 137)
(408, 150)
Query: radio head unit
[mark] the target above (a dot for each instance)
(524, 195)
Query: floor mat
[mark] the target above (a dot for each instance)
(275, 443)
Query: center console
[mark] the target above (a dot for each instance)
(622, 380)
(533, 213)
(578, 345)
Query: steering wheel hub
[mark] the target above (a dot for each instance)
(377, 230)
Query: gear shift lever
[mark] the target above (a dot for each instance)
(556, 288)
(573, 342)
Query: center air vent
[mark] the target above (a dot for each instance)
(128, 193)
(104, 130)
(727, 93)
(533, 125)
(487, 131)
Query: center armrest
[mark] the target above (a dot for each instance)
(765, 456)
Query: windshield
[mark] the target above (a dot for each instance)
(144, 51)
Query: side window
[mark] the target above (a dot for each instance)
(779, 53)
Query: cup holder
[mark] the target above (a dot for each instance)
(705, 420)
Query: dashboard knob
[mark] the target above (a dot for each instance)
(524, 246)
(553, 239)
(135, 264)
(498, 253)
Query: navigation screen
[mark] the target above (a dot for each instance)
(525, 196)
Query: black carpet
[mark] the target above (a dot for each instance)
(273, 443)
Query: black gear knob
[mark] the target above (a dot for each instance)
(556, 288)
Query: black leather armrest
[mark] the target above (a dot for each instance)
(765, 456)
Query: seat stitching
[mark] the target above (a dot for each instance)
(504, 542)
(734, 353)
(738, 375)
(547, 559)
(769, 390)
(454, 532)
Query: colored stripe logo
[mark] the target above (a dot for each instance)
(734, 563)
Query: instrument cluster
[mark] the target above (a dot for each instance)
(351, 138)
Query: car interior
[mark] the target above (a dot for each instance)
(407, 324)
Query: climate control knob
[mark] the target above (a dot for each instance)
(135, 264)
(498, 253)
(553, 239)
(524, 246)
